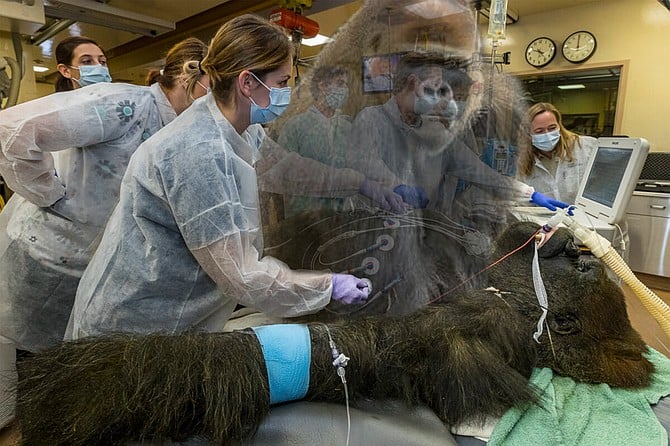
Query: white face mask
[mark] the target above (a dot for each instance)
(451, 110)
(546, 141)
(426, 103)
(336, 97)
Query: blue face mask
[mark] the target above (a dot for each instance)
(451, 111)
(279, 100)
(92, 74)
(461, 108)
(426, 103)
(336, 97)
(546, 141)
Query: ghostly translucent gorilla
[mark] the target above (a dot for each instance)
(399, 97)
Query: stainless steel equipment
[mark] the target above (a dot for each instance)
(648, 216)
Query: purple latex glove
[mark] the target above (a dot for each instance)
(549, 203)
(349, 289)
(383, 196)
(414, 196)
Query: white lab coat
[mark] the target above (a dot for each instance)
(565, 184)
(183, 246)
(51, 225)
(324, 139)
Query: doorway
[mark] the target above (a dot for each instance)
(587, 99)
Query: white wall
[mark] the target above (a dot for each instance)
(633, 32)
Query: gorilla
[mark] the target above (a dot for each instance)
(465, 357)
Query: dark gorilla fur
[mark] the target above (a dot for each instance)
(465, 358)
(428, 256)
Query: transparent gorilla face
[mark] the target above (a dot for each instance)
(396, 98)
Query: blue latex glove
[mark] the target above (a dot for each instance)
(349, 289)
(384, 197)
(549, 203)
(414, 196)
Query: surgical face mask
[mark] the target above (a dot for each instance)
(427, 102)
(336, 97)
(451, 110)
(461, 107)
(546, 141)
(207, 89)
(92, 74)
(279, 100)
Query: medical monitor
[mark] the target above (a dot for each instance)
(610, 177)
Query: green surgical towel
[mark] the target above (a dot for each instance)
(574, 413)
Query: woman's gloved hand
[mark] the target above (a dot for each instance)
(384, 197)
(414, 196)
(349, 289)
(61, 208)
(547, 202)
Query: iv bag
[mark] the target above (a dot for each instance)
(497, 19)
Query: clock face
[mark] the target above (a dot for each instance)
(540, 51)
(579, 46)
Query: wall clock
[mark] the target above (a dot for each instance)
(540, 52)
(579, 46)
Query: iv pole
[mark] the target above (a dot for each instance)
(496, 31)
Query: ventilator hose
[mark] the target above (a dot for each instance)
(654, 304)
(602, 249)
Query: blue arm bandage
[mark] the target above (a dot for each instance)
(288, 353)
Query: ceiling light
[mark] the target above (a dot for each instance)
(39, 69)
(571, 86)
(317, 40)
(102, 14)
(434, 9)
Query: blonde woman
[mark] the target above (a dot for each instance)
(553, 159)
(184, 246)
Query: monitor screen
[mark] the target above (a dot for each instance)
(610, 178)
(607, 171)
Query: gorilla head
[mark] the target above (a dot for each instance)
(589, 337)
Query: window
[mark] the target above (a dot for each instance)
(587, 99)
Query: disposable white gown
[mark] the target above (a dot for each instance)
(390, 151)
(324, 139)
(51, 225)
(182, 247)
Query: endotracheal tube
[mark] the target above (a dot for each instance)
(602, 249)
